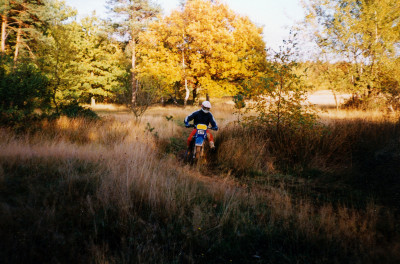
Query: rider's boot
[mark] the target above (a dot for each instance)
(189, 151)
(212, 146)
(188, 155)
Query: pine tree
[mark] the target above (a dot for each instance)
(130, 18)
(55, 55)
(98, 60)
(4, 11)
(25, 24)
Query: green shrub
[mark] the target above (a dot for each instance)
(23, 90)
(74, 110)
(23, 87)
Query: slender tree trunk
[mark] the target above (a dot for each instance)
(3, 33)
(19, 33)
(186, 84)
(54, 95)
(278, 119)
(194, 93)
(176, 93)
(173, 99)
(207, 97)
(133, 73)
(336, 101)
(187, 92)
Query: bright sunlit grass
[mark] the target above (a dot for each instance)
(366, 115)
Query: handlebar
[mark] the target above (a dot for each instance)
(191, 125)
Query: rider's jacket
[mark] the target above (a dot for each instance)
(199, 117)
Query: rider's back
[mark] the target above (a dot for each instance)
(199, 117)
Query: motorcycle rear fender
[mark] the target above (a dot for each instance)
(199, 141)
(200, 138)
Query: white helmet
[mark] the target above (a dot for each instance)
(206, 106)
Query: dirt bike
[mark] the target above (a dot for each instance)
(195, 153)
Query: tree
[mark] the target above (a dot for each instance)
(58, 61)
(82, 62)
(23, 23)
(99, 60)
(131, 18)
(55, 56)
(4, 11)
(160, 55)
(364, 33)
(205, 44)
(26, 37)
(280, 96)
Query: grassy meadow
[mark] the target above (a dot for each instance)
(117, 191)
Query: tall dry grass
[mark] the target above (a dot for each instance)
(79, 191)
(334, 143)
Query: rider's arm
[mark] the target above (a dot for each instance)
(213, 123)
(190, 118)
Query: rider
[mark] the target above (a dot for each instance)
(202, 116)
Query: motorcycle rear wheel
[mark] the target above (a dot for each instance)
(199, 157)
(199, 152)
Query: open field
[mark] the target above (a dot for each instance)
(114, 191)
(326, 98)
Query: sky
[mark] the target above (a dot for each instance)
(276, 16)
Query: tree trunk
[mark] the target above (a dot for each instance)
(207, 97)
(187, 93)
(3, 33)
(55, 99)
(336, 101)
(194, 93)
(19, 33)
(186, 84)
(133, 73)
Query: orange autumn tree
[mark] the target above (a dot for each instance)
(203, 48)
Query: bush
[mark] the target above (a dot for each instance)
(18, 119)
(74, 110)
(368, 103)
(23, 87)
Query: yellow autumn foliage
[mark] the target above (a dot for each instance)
(205, 43)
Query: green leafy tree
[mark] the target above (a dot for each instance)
(280, 97)
(26, 41)
(99, 60)
(81, 61)
(363, 33)
(57, 59)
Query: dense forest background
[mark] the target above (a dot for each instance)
(137, 56)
